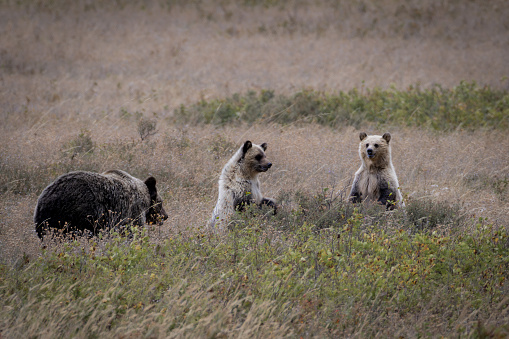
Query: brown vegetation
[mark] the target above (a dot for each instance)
(76, 82)
(72, 74)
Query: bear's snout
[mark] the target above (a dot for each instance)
(370, 153)
(263, 167)
(162, 217)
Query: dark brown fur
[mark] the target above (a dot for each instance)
(86, 201)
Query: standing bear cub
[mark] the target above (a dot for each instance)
(239, 184)
(376, 179)
(86, 201)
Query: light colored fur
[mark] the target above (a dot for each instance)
(376, 180)
(238, 184)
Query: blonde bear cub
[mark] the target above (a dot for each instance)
(376, 180)
(239, 184)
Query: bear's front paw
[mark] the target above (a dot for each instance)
(271, 203)
(355, 198)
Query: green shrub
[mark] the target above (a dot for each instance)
(146, 127)
(361, 271)
(464, 106)
(81, 144)
(426, 214)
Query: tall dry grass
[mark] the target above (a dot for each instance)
(71, 69)
(76, 77)
(59, 57)
(456, 167)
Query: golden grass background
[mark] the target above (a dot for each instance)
(68, 68)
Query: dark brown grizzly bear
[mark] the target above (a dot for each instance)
(86, 201)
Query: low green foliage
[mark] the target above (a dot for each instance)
(146, 127)
(427, 214)
(322, 265)
(497, 184)
(464, 106)
(81, 144)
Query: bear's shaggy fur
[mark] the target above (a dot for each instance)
(376, 180)
(239, 184)
(80, 201)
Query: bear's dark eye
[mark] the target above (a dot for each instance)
(376, 145)
(258, 157)
(367, 145)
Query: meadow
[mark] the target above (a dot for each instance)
(172, 89)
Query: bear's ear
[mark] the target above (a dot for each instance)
(387, 137)
(247, 146)
(362, 135)
(151, 183)
(264, 146)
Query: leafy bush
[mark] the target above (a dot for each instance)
(146, 127)
(81, 144)
(427, 214)
(362, 273)
(465, 106)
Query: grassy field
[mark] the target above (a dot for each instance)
(172, 89)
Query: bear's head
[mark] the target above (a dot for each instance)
(254, 159)
(375, 149)
(156, 213)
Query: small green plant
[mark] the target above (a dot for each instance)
(221, 146)
(499, 185)
(124, 113)
(146, 127)
(180, 141)
(81, 144)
